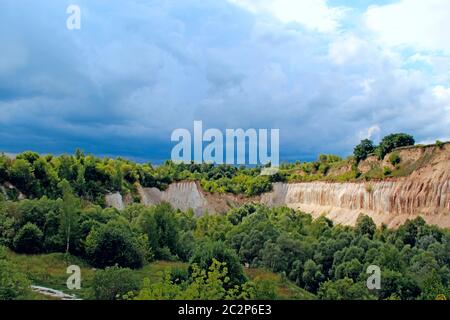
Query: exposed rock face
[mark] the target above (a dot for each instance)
(425, 192)
(389, 202)
(183, 196)
(189, 195)
(114, 200)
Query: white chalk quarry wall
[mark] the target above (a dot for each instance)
(181, 195)
(391, 202)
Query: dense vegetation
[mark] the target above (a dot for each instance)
(90, 177)
(387, 144)
(328, 261)
(64, 213)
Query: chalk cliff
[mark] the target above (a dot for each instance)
(425, 192)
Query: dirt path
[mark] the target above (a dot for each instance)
(53, 293)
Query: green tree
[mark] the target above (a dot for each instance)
(160, 225)
(312, 276)
(28, 239)
(393, 141)
(343, 289)
(207, 252)
(5, 163)
(69, 214)
(21, 176)
(365, 226)
(204, 284)
(363, 149)
(114, 243)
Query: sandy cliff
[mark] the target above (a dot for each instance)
(425, 192)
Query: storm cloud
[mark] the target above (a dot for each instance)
(137, 70)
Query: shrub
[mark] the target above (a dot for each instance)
(113, 283)
(114, 243)
(387, 171)
(28, 239)
(13, 284)
(439, 144)
(394, 159)
(206, 253)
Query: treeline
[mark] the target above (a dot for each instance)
(387, 144)
(91, 177)
(327, 260)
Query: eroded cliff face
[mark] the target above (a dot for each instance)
(189, 195)
(425, 192)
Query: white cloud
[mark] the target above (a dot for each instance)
(372, 133)
(417, 23)
(442, 94)
(347, 49)
(313, 14)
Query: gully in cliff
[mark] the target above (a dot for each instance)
(210, 146)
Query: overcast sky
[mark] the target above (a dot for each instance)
(326, 73)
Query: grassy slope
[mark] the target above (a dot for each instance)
(49, 270)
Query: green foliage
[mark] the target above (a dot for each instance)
(5, 164)
(13, 284)
(204, 284)
(392, 141)
(160, 225)
(363, 149)
(28, 239)
(114, 243)
(207, 252)
(343, 289)
(113, 283)
(387, 171)
(365, 226)
(439, 144)
(394, 158)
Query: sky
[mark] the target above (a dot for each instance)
(325, 73)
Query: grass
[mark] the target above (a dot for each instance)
(405, 169)
(285, 289)
(49, 270)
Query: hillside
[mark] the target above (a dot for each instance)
(390, 194)
(408, 182)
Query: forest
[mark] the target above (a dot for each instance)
(53, 206)
(327, 261)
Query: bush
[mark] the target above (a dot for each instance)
(28, 239)
(206, 253)
(113, 283)
(114, 243)
(13, 284)
(394, 159)
(439, 144)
